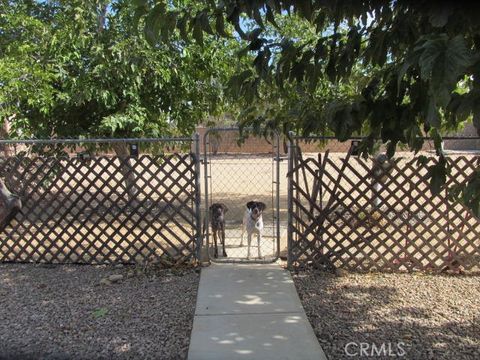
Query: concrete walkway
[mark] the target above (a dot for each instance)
(250, 312)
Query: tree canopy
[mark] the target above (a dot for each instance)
(81, 69)
(395, 70)
(422, 59)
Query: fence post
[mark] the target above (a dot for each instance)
(291, 148)
(198, 199)
(277, 193)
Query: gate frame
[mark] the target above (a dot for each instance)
(276, 193)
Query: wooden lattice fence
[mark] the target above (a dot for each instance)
(106, 209)
(346, 215)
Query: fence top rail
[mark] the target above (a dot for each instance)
(300, 137)
(94, 141)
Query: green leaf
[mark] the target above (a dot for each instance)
(476, 116)
(198, 32)
(140, 3)
(439, 14)
(236, 82)
(442, 62)
(437, 140)
(391, 147)
(433, 117)
(182, 27)
(99, 313)
(205, 23)
(402, 71)
(430, 48)
(422, 160)
(471, 193)
(377, 49)
(153, 23)
(139, 13)
(168, 25)
(438, 176)
(414, 138)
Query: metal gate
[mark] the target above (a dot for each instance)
(237, 171)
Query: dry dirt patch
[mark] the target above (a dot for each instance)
(430, 317)
(65, 312)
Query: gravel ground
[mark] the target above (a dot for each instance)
(412, 316)
(66, 312)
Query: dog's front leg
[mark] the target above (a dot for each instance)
(249, 240)
(243, 232)
(223, 241)
(215, 251)
(259, 240)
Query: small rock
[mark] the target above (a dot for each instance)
(115, 278)
(341, 272)
(130, 273)
(166, 263)
(118, 266)
(105, 281)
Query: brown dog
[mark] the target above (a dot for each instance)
(217, 222)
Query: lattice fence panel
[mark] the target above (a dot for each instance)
(346, 216)
(100, 210)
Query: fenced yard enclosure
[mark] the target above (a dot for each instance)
(236, 173)
(100, 201)
(127, 200)
(366, 214)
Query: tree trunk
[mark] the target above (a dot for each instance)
(126, 167)
(10, 204)
(102, 13)
(4, 131)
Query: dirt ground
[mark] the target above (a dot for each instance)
(414, 316)
(74, 312)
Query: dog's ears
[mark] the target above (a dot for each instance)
(252, 204)
(222, 205)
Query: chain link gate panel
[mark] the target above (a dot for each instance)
(234, 174)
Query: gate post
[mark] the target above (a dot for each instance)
(277, 192)
(198, 199)
(206, 220)
(291, 149)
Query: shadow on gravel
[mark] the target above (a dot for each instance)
(393, 315)
(66, 312)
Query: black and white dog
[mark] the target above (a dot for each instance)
(217, 221)
(253, 224)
